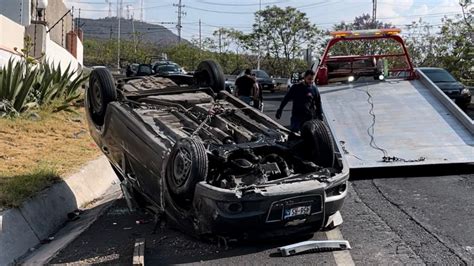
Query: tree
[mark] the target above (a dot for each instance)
(364, 22)
(422, 43)
(282, 34)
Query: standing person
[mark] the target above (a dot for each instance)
(245, 87)
(258, 96)
(306, 102)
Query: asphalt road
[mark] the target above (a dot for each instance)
(416, 220)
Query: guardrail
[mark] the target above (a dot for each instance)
(446, 101)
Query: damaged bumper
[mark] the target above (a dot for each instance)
(279, 210)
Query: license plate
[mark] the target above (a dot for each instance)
(297, 211)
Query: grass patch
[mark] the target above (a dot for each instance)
(15, 189)
(37, 149)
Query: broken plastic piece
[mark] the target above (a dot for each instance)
(314, 246)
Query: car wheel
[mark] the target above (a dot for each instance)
(100, 93)
(316, 134)
(186, 167)
(210, 74)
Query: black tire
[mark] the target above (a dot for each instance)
(100, 93)
(317, 135)
(210, 74)
(187, 165)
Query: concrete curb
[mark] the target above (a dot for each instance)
(42, 215)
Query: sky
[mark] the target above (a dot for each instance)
(239, 13)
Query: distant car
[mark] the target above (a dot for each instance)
(449, 85)
(158, 64)
(263, 79)
(296, 77)
(170, 69)
(139, 70)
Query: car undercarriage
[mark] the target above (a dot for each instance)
(213, 164)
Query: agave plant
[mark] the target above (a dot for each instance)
(16, 81)
(22, 84)
(54, 84)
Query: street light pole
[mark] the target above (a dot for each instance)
(259, 29)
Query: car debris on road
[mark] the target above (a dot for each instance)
(314, 246)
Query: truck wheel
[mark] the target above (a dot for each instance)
(316, 135)
(186, 167)
(210, 74)
(100, 93)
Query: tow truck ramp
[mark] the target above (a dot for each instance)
(397, 122)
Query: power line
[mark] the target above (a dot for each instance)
(240, 4)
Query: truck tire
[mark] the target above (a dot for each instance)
(210, 74)
(316, 134)
(100, 93)
(187, 165)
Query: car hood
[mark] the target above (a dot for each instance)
(449, 86)
(264, 80)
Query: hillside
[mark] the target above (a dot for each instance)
(106, 28)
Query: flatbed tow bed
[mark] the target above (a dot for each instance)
(395, 122)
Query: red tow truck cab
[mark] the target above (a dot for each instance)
(352, 63)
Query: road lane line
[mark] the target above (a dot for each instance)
(342, 257)
(139, 252)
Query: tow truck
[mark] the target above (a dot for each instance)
(383, 111)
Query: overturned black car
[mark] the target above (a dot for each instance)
(187, 149)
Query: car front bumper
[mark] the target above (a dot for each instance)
(262, 213)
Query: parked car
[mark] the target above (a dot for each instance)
(263, 78)
(449, 85)
(159, 64)
(296, 77)
(170, 69)
(190, 151)
(138, 70)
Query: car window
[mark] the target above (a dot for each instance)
(260, 73)
(439, 75)
(168, 68)
(144, 69)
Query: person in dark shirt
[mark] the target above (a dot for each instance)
(245, 87)
(306, 102)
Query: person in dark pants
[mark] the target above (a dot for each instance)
(245, 87)
(258, 98)
(306, 102)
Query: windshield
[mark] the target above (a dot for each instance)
(260, 73)
(439, 75)
(168, 68)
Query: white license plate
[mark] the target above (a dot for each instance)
(297, 211)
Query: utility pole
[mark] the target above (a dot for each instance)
(374, 12)
(134, 35)
(220, 40)
(128, 11)
(180, 15)
(109, 3)
(119, 15)
(200, 36)
(259, 25)
(141, 10)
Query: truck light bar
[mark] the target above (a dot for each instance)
(364, 33)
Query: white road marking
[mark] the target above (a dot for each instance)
(139, 252)
(342, 257)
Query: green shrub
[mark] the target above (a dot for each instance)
(23, 85)
(16, 82)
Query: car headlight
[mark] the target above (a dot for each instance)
(466, 91)
(273, 81)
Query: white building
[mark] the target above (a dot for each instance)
(49, 26)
